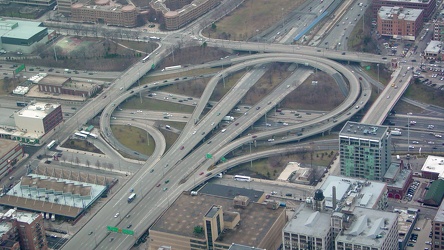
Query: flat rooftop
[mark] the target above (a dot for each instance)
(367, 192)
(363, 131)
(306, 221)
(368, 224)
(37, 110)
(53, 80)
(433, 47)
(54, 195)
(188, 211)
(230, 192)
(6, 146)
(434, 164)
(20, 29)
(408, 1)
(387, 13)
(400, 176)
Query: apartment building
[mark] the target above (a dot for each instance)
(106, 12)
(364, 150)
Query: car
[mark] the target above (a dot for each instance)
(209, 142)
(271, 140)
(236, 124)
(165, 189)
(203, 133)
(258, 108)
(129, 226)
(152, 170)
(388, 97)
(415, 142)
(201, 173)
(182, 147)
(410, 245)
(166, 182)
(254, 136)
(158, 185)
(194, 132)
(428, 243)
(116, 215)
(411, 146)
(438, 136)
(90, 233)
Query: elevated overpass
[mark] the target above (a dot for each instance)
(380, 109)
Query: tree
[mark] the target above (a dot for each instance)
(77, 160)
(198, 230)
(87, 163)
(64, 158)
(98, 164)
(213, 26)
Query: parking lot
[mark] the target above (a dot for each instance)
(420, 239)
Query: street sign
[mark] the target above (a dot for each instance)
(209, 156)
(223, 159)
(153, 66)
(112, 229)
(367, 68)
(19, 68)
(128, 232)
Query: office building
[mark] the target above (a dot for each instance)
(428, 6)
(438, 229)
(10, 153)
(369, 229)
(184, 12)
(364, 151)
(64, 6)
(105, 11)
(38, 118)
(399, 23)
(205, 221)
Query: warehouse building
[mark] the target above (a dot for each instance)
(22, 36)
(67, 86)
(38, 118)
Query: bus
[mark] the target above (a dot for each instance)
(242, 178)
(131, 197)
(51, 144)
(93, 135)
(22, 104)
(80, 136)
(85, 132)
(145, 58)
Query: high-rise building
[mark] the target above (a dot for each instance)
(364, 150)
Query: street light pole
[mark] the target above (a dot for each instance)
(378, 77)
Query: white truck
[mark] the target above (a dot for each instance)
(228, 118)
(395, 132)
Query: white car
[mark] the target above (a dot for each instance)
(415, 142)
(271, 140)
(411, 146)
(117, 215)
(194, 132)
(285, 124)
(438, 136)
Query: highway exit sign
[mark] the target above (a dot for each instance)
(126, 231)
(112, 229)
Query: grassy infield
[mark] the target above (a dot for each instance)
(239, 31)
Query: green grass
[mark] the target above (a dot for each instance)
(134, 138)
(156, 105)
(425, 94)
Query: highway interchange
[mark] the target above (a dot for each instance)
(178, 168)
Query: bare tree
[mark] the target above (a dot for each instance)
(87, 163)
(64, 158)
(110, 165)
(77, 160)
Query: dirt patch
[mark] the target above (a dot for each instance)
(323, 95)
(82, 145)
(251, 18)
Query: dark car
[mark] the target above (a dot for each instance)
(182, 147)
(129, 226)
(208, 174)
(254, 136)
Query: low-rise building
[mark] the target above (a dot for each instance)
(10, 153)
(433, 50)
(67, 86)
(428, 6)
(399, 22)
(433, 168)
(398, 180)
(38, 118)
(186, 11)
(213, 222)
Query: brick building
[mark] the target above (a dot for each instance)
(399, 22)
